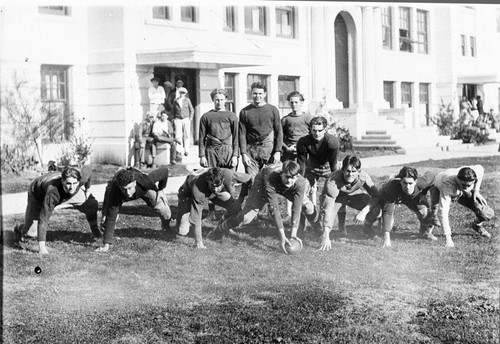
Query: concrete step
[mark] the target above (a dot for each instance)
(369, 136)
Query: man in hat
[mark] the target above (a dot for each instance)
(156, 96)
(183, 115)
(130, 184)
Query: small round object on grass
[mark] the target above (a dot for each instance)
(294, 248)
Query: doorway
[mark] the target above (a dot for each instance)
(341, 61)
(190, 77)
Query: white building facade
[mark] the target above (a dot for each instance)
(364, 62)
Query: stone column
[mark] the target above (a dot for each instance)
(369, 61)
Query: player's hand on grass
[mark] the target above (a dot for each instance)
(284, 242)
(104, 248)
(326, 244)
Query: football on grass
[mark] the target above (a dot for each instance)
(294, 247)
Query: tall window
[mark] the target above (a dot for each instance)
(54, 96)
(161, 12)
(188, 14)
(406, 94)
(389, 93)
(424, 101)
(230, 18)
(251, 78)
(255, 20)
(404, 29)
(386, 28)
(285, 21)
(59, 10)
(286, 84)
(422, 31)
(229, 86)
(473, 46)
(463, 44)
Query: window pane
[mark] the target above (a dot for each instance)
(161, 12)
(229, 18)
(229, 82)
(188, 14)
(422, 31)
(473, 46)
(389, 93)
(406, 93)
(285, 21)
(462, 42)
(404, 29)
(386, 28)
(255, 20)
(286, 84)
(59, 10)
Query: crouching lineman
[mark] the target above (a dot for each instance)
(348, 186)
(271, 181)
(409, 189)
(56, 188)
(215, 185)
(129, 184)
(461, 185)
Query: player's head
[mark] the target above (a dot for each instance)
(219, 96)
(295, 99)
(318, 127)
(126, 182)
(215, 180)
(259, 92)
(155, 81)
(408, 179)
(290, 173)
(466, 178)
(70, 178)
(350, 168)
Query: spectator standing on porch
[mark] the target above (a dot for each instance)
(183, 115)
(156, 95)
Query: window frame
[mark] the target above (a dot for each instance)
(386, 19)
(49, 86)
(263, 16)
(405, 42)
(388, 87)
(230, 14)
(193, 18)
(283, 94)
(422, 31)
(291, 12)
(167, 12)
(63, 11)
(406, 94)
(230, 88)
(473, 49)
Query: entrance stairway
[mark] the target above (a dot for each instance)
(388, 134)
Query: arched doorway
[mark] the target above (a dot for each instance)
(345, 80)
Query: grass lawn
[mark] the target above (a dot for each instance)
(152, 288)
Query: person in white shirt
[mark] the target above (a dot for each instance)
(462, 185)
(157, 96)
